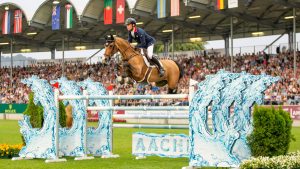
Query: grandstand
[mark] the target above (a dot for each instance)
(197, 19)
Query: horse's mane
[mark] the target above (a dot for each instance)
(124, 42)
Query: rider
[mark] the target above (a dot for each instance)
(144, 41)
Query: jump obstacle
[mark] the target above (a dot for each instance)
(221, 148)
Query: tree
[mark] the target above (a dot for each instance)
(187, 46)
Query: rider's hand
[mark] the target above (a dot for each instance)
(133, 45)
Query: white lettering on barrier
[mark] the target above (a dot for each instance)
(163, 145)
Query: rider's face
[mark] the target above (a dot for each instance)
(129, 27)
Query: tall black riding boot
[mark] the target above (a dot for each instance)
(160, 67)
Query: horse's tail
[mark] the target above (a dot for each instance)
(180, 70)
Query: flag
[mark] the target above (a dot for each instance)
(120, 13)
(55, 85)
(107, 12)
(56, 17)
(69, 16)
(161, 8)
(220, 4)
(18, 21)
(233, 3)
(110, 87)
(175, 8)
(6, 23)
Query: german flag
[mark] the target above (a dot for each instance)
(220, 4)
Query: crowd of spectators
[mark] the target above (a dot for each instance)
(286, 91)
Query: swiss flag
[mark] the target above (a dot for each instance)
(120, 11)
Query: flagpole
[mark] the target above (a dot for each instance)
(172, 41)
(294, 42)
(231, 39)
(63, 56)
(0, 59)
(11, 62)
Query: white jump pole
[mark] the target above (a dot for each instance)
(149, 126)
(85, 157)
(56, 159)
(123, 97)
(144, 116)
(144, 108)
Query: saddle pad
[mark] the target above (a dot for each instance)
(147, 62)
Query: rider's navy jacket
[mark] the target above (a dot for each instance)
(141, 37)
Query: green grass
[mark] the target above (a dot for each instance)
(9, 133)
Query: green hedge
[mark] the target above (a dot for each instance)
(36, 113)
(271, 134)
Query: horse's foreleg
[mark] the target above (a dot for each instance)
(125, 69)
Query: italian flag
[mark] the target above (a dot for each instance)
(69, 16)
(107, 12)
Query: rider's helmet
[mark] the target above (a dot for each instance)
(130, 21)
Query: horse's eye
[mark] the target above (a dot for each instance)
(110, 46)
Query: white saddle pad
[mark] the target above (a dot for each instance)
(147, 62)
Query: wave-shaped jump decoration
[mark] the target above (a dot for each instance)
(225, 145)
(40, 143)
(71, 141)
(98, 139)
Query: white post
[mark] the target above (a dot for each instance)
(111, 155)
(192, 84)
(111, 124)
(56, 95)
(85, 157)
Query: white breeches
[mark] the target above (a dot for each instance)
(150, 51)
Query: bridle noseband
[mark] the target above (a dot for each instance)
(108, 42)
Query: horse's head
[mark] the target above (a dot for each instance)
(110, 46)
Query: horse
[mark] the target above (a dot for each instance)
(69, 117)
(137, 68)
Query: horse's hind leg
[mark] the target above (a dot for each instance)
(172, 91)
(172, 85)
(69, 120)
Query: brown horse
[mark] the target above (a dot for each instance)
(137, 68)
(69, 117)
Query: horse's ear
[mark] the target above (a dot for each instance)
(109, 38)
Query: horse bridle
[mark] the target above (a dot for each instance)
(130, 57)
(109, 42)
